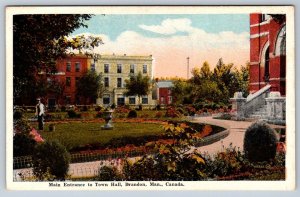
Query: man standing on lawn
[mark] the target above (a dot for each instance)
(40, 110)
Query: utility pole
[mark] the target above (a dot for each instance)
(188, 67)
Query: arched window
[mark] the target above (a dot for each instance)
(280, 43)
(267, 67)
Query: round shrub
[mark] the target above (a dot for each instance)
(63, 108)
(140, 108)
(73, 114)
(18, 114)
(260, 142)
(158, 107)
(108, 173)
(51, 161)
(98, 108)
(84, 108)
(113, 106)
(132, 114)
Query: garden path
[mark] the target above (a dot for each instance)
(235, 138)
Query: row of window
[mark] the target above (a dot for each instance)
(119, 82)
(106, 68)
(68, 81)
(120, 67)
(77, 66)
(106, 82)
(121, 100)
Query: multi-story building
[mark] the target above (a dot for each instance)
(267, 52)
(115, 69)
(69, 70)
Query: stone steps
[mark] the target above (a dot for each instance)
(260, 113)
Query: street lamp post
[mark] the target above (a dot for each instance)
(188, 67)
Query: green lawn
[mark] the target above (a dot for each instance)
(75, 134)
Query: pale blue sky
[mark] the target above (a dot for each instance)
(114, 25)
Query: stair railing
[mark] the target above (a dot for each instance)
(256, 100)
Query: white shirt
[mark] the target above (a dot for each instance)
(41, 109)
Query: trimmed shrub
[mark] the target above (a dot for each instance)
(23, 145)
(73, 114)
(50, 161)
(108, 173)
(18, 115)
(84, 108)
(158, 114)
(113, 106)
(158, 107)
(21, 125)
(63, 108)
(140, 107)
(260, 142)
(98, 108)
(99, 114)
(132, 114)
(172, 113)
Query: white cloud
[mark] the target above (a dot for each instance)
(170, 52)
(170, 26)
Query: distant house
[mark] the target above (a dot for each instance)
(164, 95)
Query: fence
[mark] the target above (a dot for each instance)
(76, 170)
(26, 161)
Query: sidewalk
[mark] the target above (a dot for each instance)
(235, 138)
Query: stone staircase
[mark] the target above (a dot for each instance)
(259, 114)
(262, 105)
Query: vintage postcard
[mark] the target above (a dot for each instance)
(150, 98)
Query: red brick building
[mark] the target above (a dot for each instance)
(164, 92)
(267, 52)
(69, 70)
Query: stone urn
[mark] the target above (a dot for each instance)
(107, 117)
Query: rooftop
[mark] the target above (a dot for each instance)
(164, 84)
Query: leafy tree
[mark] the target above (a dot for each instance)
(90, 86)
(243, 79)
(181, 92)
(51, 161)
(138, 85)
(224, 76)
(205, 71)
(208, 90)
(38, 41)
(48, 84)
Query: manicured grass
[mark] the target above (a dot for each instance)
(75, 134)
